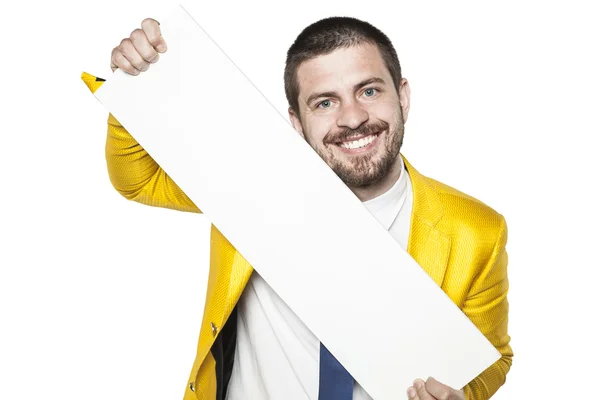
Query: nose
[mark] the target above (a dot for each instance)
(352, 115)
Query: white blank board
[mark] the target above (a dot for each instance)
(292, 218)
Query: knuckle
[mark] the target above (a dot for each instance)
(122, 62)
(124, 44)
(130, 69)
(150, 56)
(118, 58)
(137, 33)
(149, 21)
(137, 63)
(155, 41)
(142, 66)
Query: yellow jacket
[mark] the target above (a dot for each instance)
(459, 241)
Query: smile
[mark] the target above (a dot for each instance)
(359, 143)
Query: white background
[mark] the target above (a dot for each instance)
(103, 298)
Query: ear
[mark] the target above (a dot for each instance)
(404, 95)
(295, 120)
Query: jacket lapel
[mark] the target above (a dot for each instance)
(427, 245)
(229, 274)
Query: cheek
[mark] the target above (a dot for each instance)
(315, 129)
(387, 111)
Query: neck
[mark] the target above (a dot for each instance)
(366, 193)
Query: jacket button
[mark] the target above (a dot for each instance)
(213, 328)
(192, 386)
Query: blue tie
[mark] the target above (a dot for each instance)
(335, 383)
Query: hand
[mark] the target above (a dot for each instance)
(433, 390)
(140, 49)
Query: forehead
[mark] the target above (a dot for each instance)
(341, 68)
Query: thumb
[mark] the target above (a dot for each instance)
(441, 391)
(422, 391)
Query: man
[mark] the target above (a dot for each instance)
(349, 101)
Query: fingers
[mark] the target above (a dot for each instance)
(418, 392)
(135, 53)
(152, 30)
(118, 60)
(132, 57)
(145, 52)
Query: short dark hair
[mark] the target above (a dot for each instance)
(327, 35)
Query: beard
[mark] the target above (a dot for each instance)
(366, 170)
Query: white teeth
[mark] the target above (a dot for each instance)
(357, 144)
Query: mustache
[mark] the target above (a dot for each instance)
(363, 130)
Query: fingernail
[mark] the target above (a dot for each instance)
(411, 392)
(161, 47)
(154, 59)
(418, 384)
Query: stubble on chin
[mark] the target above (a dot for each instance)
(367, 170)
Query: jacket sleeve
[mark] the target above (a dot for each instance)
(487, 307)
(132, 172)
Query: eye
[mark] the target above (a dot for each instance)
(324, 104)
(370, 92)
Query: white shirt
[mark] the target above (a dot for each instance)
(277, 356)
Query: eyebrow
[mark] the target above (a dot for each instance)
(365, 82)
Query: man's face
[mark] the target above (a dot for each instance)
(351, 113)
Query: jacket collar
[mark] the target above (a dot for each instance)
(426, 244)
